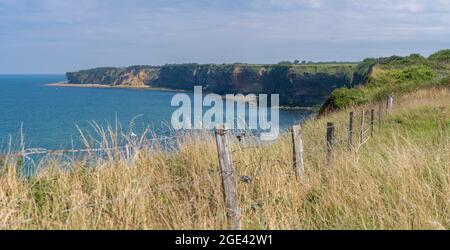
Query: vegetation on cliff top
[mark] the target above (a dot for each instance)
(374, 79)
(103, 74)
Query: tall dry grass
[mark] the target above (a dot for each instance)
(400, 179)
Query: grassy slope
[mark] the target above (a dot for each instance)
(380, 77)
(400, 179)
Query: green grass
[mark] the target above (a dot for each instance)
(374, 79)
(424, 124)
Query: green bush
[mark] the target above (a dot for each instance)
(394, 74)
(344, 97)
(402, 76)
(442, 55)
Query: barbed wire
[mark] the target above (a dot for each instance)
(239, 136)
(40, 151)
(163, 187)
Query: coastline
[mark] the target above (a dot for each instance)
(101, 86)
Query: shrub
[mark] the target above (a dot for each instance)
(395, 74)
(442, 55)
(344, 97)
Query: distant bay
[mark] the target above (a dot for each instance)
(50, 114)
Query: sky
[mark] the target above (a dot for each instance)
(55, 36)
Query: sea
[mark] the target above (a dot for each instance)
(51, 117)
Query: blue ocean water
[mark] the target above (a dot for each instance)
(50, 115)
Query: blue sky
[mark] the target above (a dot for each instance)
(55, 36)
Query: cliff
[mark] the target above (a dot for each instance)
(298, 85)
(335, 85)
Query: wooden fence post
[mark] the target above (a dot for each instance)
(361, 132)
(380, 115)
(330, 142)
(372, 121)
(390, 102)
(350, 130)
(298, 153)
(229, 181)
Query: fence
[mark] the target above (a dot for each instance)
(228, 175)
(226, 167)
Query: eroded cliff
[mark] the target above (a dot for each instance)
(298, 85)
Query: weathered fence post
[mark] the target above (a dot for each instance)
(372, 121)
(390, 102)
(361, 132)
(229, 181)
(330, 142)
(350, 130)
(380, 115)
(298, 153)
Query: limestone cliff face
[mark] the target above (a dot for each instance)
(133, 78)
(298, 85)
(247, 81)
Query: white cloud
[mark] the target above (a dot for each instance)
(112, 32)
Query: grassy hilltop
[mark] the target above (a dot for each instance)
(374, 79)
(399, 179)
